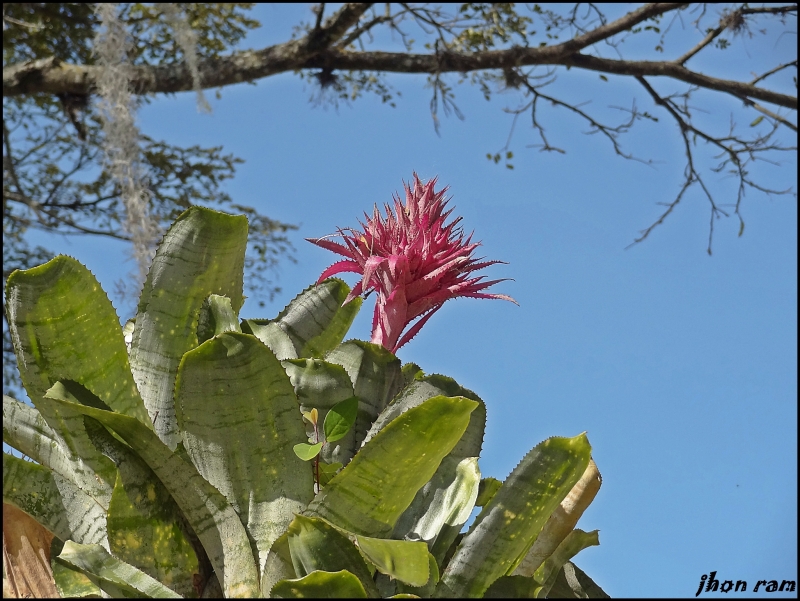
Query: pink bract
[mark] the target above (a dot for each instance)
(412, 259)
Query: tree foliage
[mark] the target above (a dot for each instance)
(54, 178)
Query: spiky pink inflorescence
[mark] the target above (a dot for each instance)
(412, 259)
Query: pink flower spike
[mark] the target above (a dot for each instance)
(412, 259)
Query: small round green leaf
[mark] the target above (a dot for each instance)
(307, 452)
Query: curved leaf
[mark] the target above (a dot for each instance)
(240, 420)
(509, 524)
(449, 505)
(368, 495)
(572, 582)
(316, 545)
(208, 512)
(305, 451)
(201, 254)
(54, 502)
(425, 591)
(72, 583)
(315, 319)
(64, 328)
(403, 560)
(216, 316)
(575, 542)
(145, 526)
(270, 334)
(321, 585)
(562, 521)
(95, 560)
(278, 565)
(26, 430)
(444, 504)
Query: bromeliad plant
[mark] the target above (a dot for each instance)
(192, 453)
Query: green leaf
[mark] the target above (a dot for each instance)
(604, 78)
(757, 120)
(70, 581)
(427, 387)
(513, 587)
(340, 419)
(321, 585)
(208, 512)
(315, 319)
(426, 590)
(443, 504)
(404, 560)
(270, 334)
(487, 489)
(328, 471)
(316, 545)
(278, 566)
(216, 316)
(54, 502)
(306, 451)
(64, 328)
(572, 582)
(575, 542)
(450, 505)
(321, 385)
(26, 430)
(411, 371)
(509, 524)
(201, 254)
(368, 495)
(144, 531)
(376, 376)
(145, 526)
(240, 420)
(96, 561)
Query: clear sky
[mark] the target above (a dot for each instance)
(680, 367)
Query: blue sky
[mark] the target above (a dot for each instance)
(681, 367)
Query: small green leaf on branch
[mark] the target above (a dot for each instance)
(307, 452)
(340, 419)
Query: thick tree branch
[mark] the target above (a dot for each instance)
(249, 66)
(50, 77)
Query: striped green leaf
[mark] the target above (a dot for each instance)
(201, 254)
(315, 319)
(208, 512)
(240, 420)
(123, 578)
(509, 524)
(26, 430)
(64, 328)
(317, 546)
(368, 495)
(53, 501)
